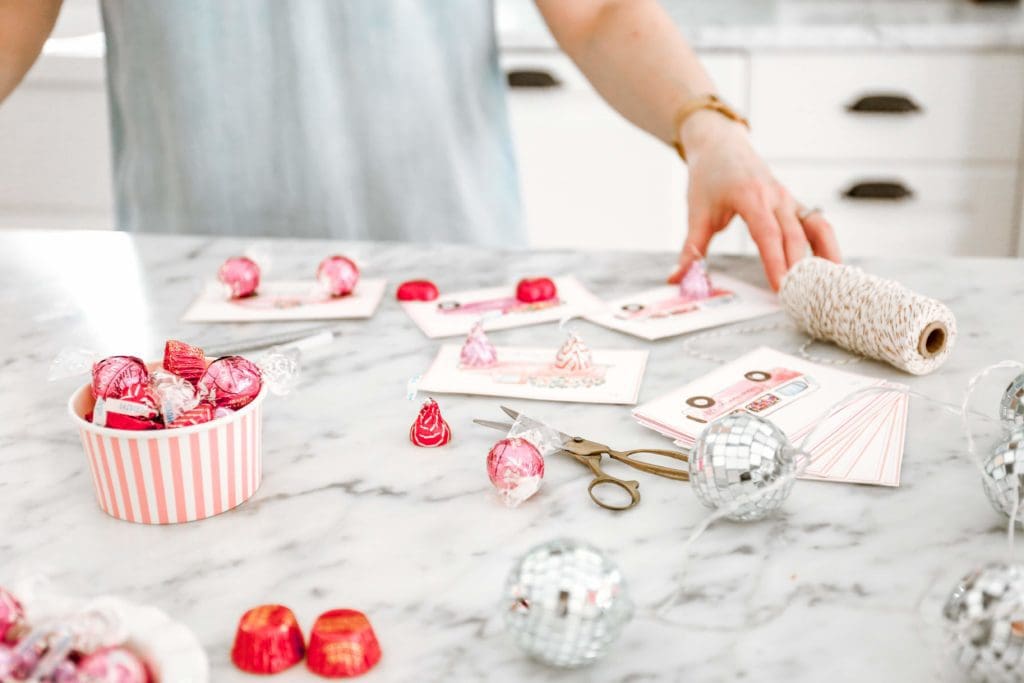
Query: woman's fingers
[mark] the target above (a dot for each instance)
(767, 234)
(698, 237)
(793, 237)
(822, 237)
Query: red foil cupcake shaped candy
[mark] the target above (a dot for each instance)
(184, 360)
(478, 351)
(241, 275)
(430, 429)
(338, 275)
(417, 290)
(533, 290)
(342, 644)
(268, 640)
(230, 382)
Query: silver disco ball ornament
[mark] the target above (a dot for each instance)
(1011, 407)
(1002, 474)
(735, 459)
(565, 603)
(984, 618)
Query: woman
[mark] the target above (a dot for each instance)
(386, 119)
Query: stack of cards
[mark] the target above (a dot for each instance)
(455, 313)
(663, 312)
(862, 443)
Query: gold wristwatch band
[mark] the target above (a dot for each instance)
(709, 102)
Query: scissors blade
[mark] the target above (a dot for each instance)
(500, 426)
(514, 414)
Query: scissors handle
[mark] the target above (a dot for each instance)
(632, 489)
(625, 457)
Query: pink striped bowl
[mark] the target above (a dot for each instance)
(174, 475)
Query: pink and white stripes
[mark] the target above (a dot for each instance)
(176, 475)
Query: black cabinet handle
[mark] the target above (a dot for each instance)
(884, 104)
(532, 78)
(879, 189)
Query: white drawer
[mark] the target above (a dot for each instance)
(949, 211)
(589, 178)
(968, 106)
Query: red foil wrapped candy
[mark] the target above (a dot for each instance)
(342, 644)
(12, 614)
(201, 413)
(417, 290)
(184, 360)
(516, 469)
(430, 429)
(268, 640)
(136, 409)
(112, 377)
(241, 275)
(113, 665)
(338, 275)
(533, 290)
(230, 382)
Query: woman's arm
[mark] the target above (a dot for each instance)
(636, 59)
(24, 27)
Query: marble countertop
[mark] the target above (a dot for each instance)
(801, 24)
(844, 584)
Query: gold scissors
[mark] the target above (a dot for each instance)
(591, 453)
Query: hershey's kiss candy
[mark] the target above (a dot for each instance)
(574, 354)
(241, 275)
(338, 275)
(984, 618)
(565, 603)
(1011, 407)
(696, 284)
(430, 429)
(1002, 474)
(735, 458)
(478, 351)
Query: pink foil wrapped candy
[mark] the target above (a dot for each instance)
(515, 468)
(230, 382)
(241, 275)
(338, 275)
(478, 351)
(11, 614)
(113, 665)
(574, 354)
(696, 284)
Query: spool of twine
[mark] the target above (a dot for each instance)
(868, 315)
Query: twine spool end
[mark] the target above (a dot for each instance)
(933, 339)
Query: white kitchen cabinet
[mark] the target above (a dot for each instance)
(589, 178)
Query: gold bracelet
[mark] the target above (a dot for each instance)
(709, 102)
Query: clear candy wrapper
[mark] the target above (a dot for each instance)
(280, 367)
(72, 363)
(175, 394)
(547, 440)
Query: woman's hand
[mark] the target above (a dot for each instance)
(727, 177)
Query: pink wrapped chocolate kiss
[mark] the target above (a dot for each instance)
(696, 284)
(430, 429)
(574, 354)
(241, 275)
(338, 275)
(478, 351)
(230, 382)
(515, 468)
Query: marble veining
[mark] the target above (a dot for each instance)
(844, 585)
(831, 24)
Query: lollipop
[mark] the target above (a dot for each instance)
(338, 275)
(241, 275)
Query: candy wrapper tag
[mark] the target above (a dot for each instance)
(72, 363)
(545, 438)
(280, 367)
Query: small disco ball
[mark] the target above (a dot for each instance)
(1002, 474)
(735, 458)
(1011, 407)
(565, 603)
(984, 618)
